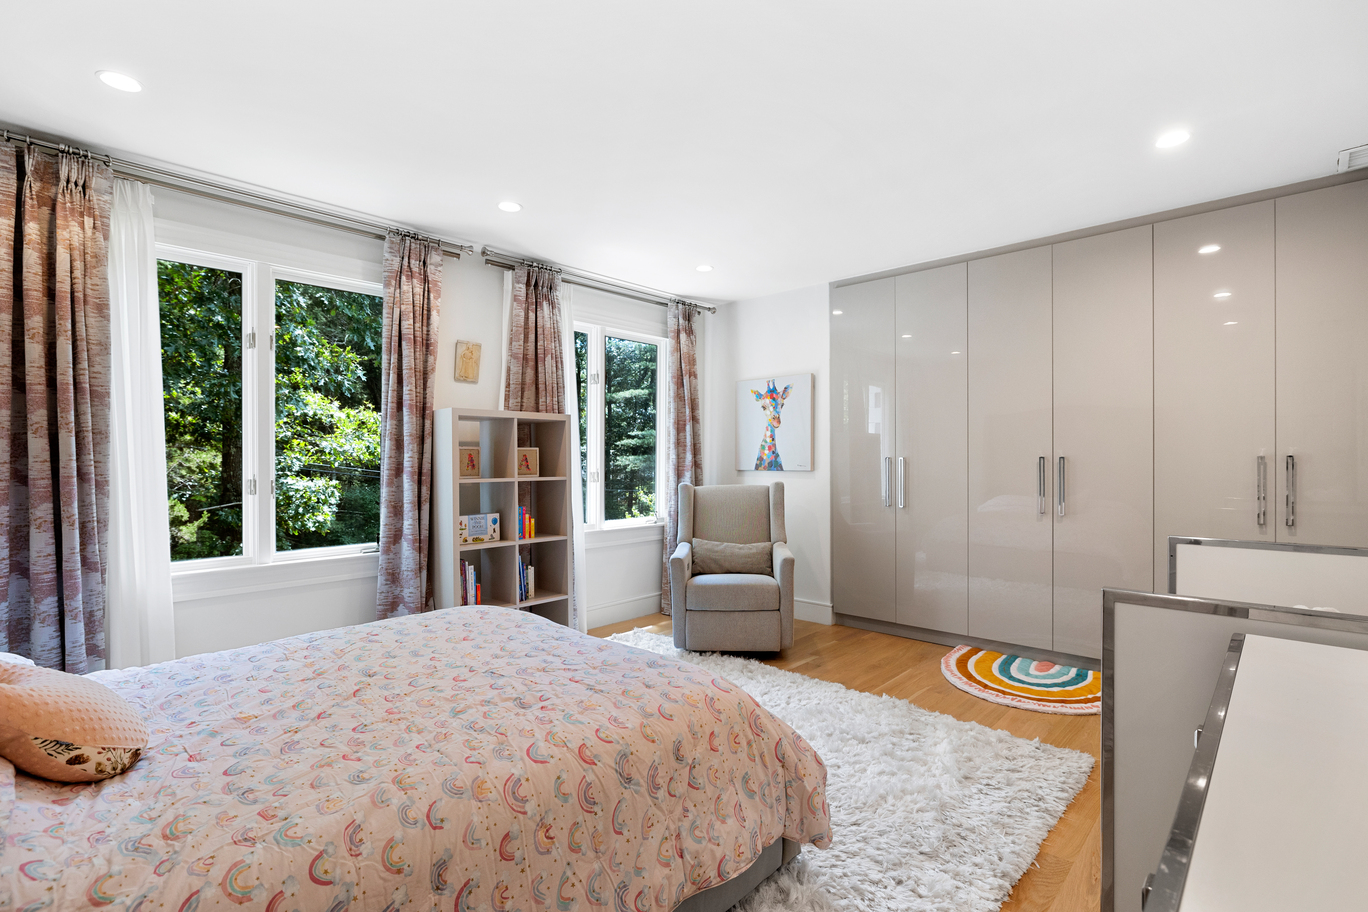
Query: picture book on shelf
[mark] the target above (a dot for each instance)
(478, 527)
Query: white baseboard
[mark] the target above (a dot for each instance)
(626, 609)
(816, 612)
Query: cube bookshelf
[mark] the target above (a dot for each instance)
(499, 489)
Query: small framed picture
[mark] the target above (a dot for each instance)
(470, 462)
(529, 461)
(467, 361)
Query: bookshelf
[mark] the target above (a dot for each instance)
(498, 489)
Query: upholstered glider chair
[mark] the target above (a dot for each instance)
(731, 578)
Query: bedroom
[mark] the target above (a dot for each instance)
(805, 155)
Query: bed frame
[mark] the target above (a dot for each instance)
(725, 895)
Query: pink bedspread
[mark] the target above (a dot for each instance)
(465, 759)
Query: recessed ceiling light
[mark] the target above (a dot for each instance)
(119, 81)
(837, 313)
(510, 206)
(1172, 138)
(705, 268)
(1209, 248)
(1221, 294)
(1232, 323)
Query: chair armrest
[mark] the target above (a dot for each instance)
(783, 574)
(681, 568)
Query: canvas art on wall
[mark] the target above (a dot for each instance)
(467, 361)
(774, 424)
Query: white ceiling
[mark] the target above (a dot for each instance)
(785, 143)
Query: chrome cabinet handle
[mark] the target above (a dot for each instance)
(1061, 485)
(1261, 492)
(902, 482)
(887, 478)
(1291, 501)
(1040, 486)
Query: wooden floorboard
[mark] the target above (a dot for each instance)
(1067, 874)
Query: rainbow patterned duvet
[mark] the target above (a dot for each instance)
(467, 759)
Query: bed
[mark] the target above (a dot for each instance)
(467, 759)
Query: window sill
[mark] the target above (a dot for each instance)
(243, 579)
(624, 535)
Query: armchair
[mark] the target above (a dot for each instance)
(732, 612)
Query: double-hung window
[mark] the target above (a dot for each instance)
(621, 382)
(271, 384)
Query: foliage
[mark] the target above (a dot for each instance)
(630, 428)
(327, 395)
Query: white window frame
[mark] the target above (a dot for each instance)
(597, 421)
(259, 277)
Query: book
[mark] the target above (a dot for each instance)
(478, 527)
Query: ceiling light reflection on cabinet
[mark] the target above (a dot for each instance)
(1209, 248)
(837, 313)
(1232, 323)
(954, 353)
(1172, 138)
(1221, 294)
(907, 335)
(510, 206)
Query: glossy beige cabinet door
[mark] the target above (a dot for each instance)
(1322, 288)
(1009, 434)
(1213, 379)
(931, 458)
(862, 458)
(1103, 428)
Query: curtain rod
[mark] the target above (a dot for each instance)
(263, 202)
(505, 260)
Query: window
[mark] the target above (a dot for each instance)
(620, 382)
(271, 380)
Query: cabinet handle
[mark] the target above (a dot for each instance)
(887, 477)
(1291, 502)
(1261, 492)
(1061, 485)
(1040, 486)
(902, 482)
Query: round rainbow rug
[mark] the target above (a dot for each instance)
(1024, 683)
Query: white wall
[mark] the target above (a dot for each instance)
(780, 334)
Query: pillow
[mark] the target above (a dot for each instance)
(65, 727)
(727, 557)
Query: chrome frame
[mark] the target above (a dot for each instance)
(1176, 540)
(1171, 876)
(1296, 617)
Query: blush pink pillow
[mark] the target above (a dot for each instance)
(65, 727)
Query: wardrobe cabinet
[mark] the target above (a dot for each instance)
(863, 559)
(931, 452)
(1010, 426)
(1214, 440)
(1322, 373)
(1103, 389)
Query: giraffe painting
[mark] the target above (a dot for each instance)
(771, 403)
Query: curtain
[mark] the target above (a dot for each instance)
(141, 617)
(536, 357)
(683, 442)
(413, 297)
(54, 399)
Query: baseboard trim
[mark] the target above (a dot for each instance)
(809, 610)
(624, 609)
(954, 639)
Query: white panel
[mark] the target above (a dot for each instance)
(1213, 378)
(1103, 428)
(1322, 287)
(1010, 531)
(1282, 824)
(1273, 577)
(932, 434)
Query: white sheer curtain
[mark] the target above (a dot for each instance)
(140, 624)
(579, 603)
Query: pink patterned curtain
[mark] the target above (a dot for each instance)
(413, 298)
(536, 360)
(54, 398)
(684, 440)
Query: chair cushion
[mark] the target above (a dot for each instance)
(732, 592)
(729, 557)
(65, 727)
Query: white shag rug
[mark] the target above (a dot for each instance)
(928, 812)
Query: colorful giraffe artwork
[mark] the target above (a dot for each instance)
(771, 403)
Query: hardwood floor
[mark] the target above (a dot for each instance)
(1067, 874)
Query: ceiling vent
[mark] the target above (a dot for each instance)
(1350, 159)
